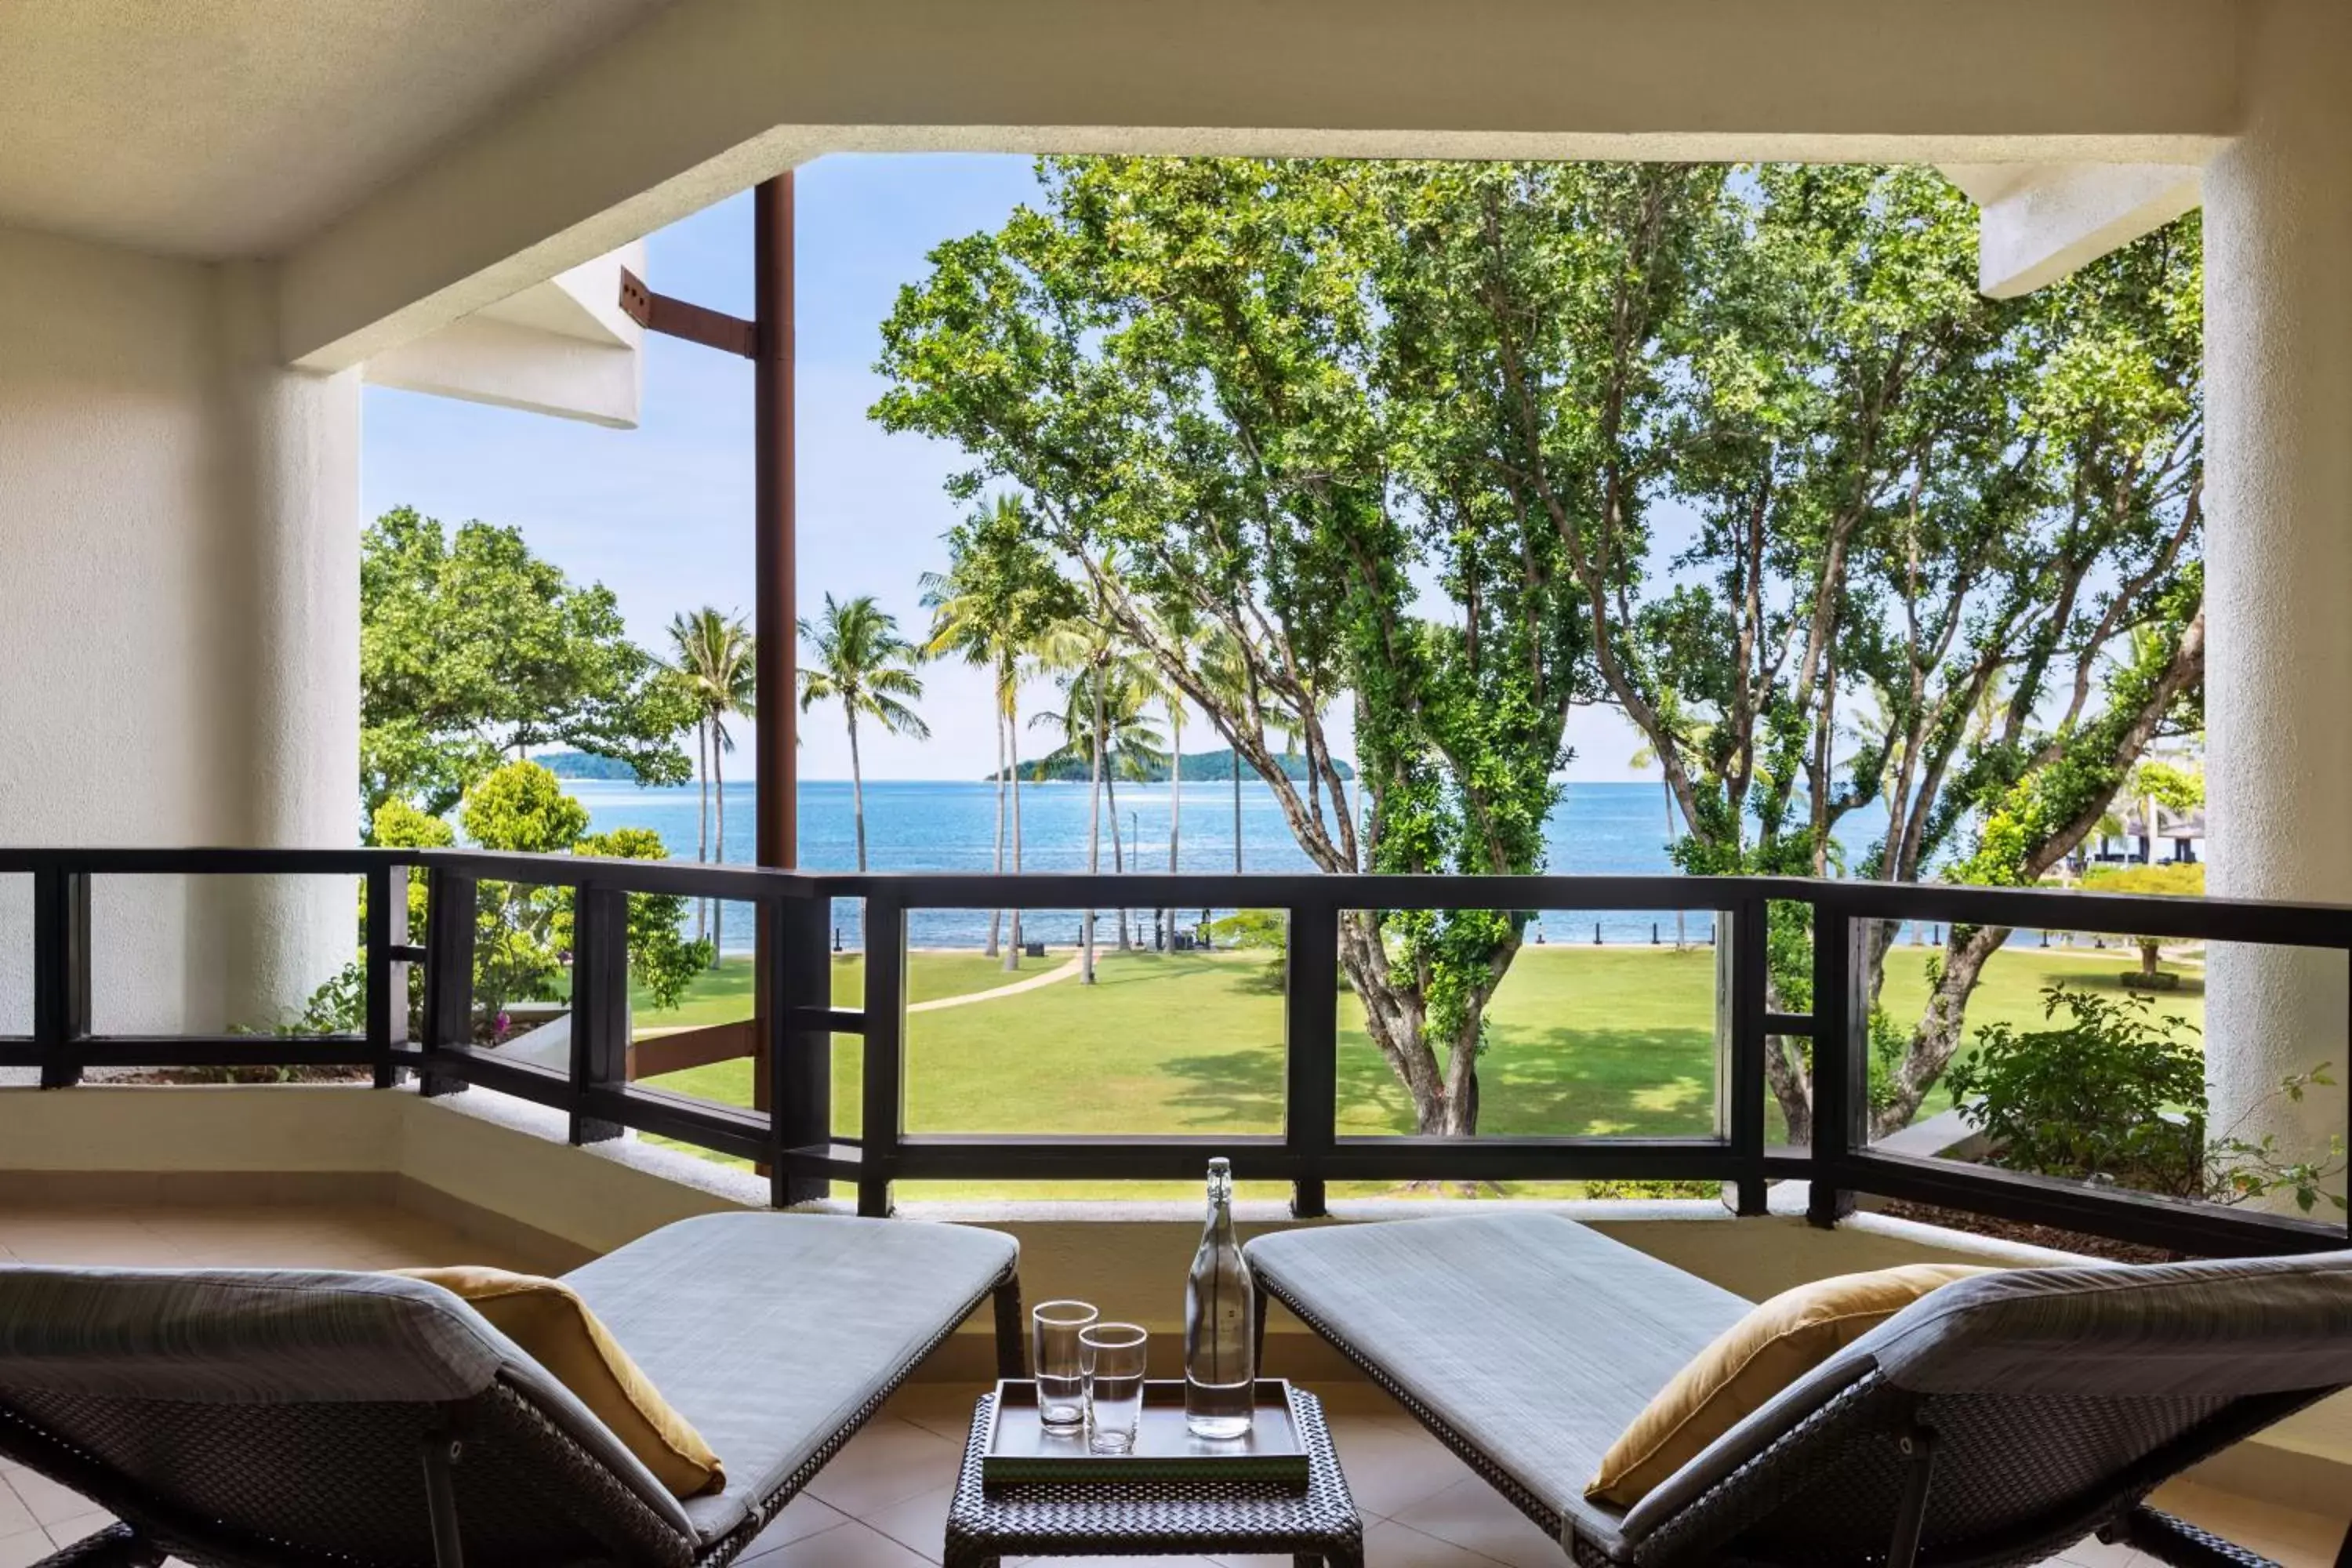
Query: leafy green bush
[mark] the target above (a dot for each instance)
(2116, 1093)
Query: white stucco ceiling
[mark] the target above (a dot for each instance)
(220, 128)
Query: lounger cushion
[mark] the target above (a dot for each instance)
(769, 1332)
(1776, 1343)
(1534, 1337)
(548, 1319)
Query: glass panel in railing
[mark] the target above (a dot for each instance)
(1582, 1023)
(260, 955)
(521, 986)
(1160, 1023)
(2207, 1073)
(692, 1003)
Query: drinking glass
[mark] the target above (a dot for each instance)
(1060, 1364)
(1113, 1355)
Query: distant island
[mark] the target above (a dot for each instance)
(586, 765)
(1203, 767)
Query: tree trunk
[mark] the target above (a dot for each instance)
(1013, 740)
(1444, 1096)
(1118, 845)
(996, 916)
(1681, 933)
(719, 846)
(1236, 760)
(1175, 806)
(701, 816)
(1094, 834)
(1966, 951)
(1393, 1017)
(2147, 959)
(857, 792)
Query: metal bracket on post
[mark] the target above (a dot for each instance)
(450, 913)
(600, 1005)
(61, 972)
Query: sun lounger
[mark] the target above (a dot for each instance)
(1997, 1420)
(286, 1419)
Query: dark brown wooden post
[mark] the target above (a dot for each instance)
(776, 608)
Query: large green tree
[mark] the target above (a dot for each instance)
(1401, 433)
(523, 931)
(1217, 372)
(472, 649)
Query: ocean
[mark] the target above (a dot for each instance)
(949, 826)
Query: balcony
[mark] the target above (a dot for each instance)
(446, 1146)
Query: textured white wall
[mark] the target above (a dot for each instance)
(2278, 225)
(178, 623)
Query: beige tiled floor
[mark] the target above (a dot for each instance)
(882, 1503)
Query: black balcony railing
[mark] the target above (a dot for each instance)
(795, 1142)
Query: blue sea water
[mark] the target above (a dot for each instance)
(950, 826)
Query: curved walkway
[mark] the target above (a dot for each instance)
(1051, 977)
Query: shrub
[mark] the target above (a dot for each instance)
(2114, 1092)
(2118, 1093)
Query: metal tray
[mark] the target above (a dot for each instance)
(1019, 1450)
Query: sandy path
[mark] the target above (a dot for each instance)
(1051, 977)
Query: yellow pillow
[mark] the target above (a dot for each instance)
(553, 1325)
(1756, 1358)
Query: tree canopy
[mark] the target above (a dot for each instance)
(1462, 445)
(472, 648)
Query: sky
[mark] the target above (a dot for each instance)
(662, 514)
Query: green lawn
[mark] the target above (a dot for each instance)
(1592, 1041)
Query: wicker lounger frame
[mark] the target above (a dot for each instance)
(381, 1449)
(1850, 1484)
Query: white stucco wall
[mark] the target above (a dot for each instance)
(178, 621)
(2278, 228)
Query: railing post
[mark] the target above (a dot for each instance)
(1310, 1051)
(450, 912)
(884, 1100)
(387, 977)
(799, 1054)
(61, 972)
(1841, 1059)
(1748, 1001)
(599, 1006)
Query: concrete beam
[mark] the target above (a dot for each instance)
(562, 347)
(2042, 221)
(707, 97)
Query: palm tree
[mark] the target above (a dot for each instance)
(713, 658)
(1084, 647)
(997, 596)
(857, 658)
(1106, 717)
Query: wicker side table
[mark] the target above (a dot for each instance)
(1142, 1519)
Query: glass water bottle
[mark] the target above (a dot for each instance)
(1220, 1323)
